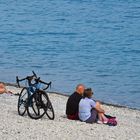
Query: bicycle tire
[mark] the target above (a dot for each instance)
(49, 109)
(22, 101)
(34, 108)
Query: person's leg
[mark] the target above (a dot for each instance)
(104, 118)
(101, 116)
(93, 117)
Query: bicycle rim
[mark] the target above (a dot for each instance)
(49, 108)
(22, 101)
(50, 111)
(35, 109)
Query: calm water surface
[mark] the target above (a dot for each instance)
(94, 42)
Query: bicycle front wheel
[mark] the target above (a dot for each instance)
(49, 109)
(35, 106)
(22, 101)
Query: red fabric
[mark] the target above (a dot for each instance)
(112, 122)
(73, 117)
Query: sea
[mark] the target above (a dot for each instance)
(68, 42)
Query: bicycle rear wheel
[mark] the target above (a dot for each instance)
(36, 104)
(22, 101)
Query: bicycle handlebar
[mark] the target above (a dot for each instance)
(37, 80)
(45, 83)
(48, 85)
(29, 78)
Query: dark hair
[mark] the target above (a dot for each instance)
(87, 93)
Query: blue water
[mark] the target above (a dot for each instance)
(94, 42)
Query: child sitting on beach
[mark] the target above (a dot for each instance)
(91, 111)
(3, 89)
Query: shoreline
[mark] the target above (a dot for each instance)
(14, 127)
(104, 103)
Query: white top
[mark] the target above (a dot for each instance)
(85, 106)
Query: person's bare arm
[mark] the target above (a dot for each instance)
(98, 108)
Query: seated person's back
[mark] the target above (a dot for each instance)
(72, 106)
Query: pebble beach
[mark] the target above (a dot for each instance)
(15, 127)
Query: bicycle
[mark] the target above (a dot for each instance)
(33, 99)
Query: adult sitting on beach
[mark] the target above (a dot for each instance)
(72, 106)
(89, 110)
(3, 89)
